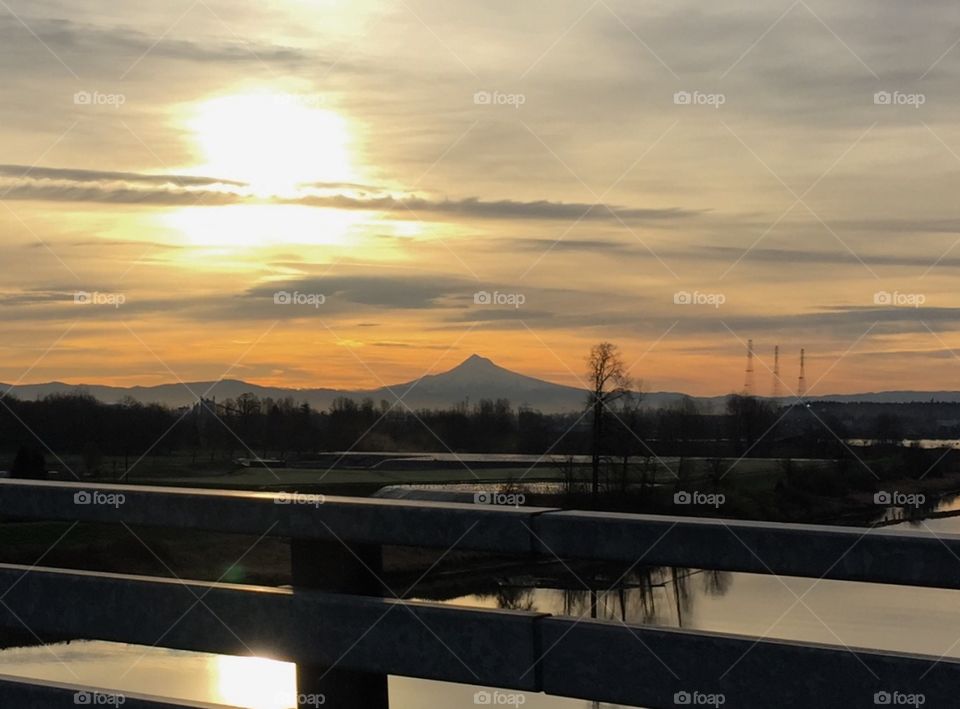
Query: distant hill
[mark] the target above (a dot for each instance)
(479, 378)
(473, 379)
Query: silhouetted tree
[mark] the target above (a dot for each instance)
(749, 420)
(608, 381)
(888, 430)
(29, 464)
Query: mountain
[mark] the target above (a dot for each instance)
(473, 379)
(479, 378)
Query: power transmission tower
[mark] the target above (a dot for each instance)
(802, 382)
(776, 373)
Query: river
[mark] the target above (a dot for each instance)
(925, 621)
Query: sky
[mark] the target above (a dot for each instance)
(356, 193)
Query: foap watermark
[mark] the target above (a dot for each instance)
(99, 699)
(483, 297)
(898, 299)
(97, 497)
(303, 100)
(699, 499)
(507, 499)
(899, 699)
(499, 98)
(900, 499)
(96, 98)
(301, 700)
(82, 297)
(299, 498)
(685, 297)
(510, 699)
(899, 98)
(699, 699)
(699, 98)
(314, 300)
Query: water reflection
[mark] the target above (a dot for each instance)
(831, 612)
(645, 596)
(239, 682)
(838, 613)
(253, 681)
(921, 512)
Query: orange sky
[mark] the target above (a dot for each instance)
(322, 193)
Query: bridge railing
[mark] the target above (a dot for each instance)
(346, 636)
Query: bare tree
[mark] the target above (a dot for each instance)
(608, 381)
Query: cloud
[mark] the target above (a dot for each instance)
(49, 192)
(77, 185)
(80, 175)
(395, 292)
(600, 245)
(840, 257)
(67, 37)
(498, 209)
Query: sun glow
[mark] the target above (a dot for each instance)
(255, 682)
(273, 141)
(248, 226)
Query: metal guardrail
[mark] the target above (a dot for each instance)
(346, 638)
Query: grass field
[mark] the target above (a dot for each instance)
(751, 475)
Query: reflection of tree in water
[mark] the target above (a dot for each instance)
(516, 598)
(716, 583)
(647, 595)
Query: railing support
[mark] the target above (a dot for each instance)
(338, 568)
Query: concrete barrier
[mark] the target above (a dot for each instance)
(346, 638)
(18, 693)
(810, 551)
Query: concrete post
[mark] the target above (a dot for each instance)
(331, 566)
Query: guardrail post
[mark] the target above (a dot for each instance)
(338, 568)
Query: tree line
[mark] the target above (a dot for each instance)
(612, 426)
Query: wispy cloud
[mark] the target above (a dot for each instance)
(104, 187)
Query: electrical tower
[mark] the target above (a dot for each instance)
(748, 379)
(802, 382)
(776, 372)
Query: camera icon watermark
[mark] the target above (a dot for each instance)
(899, 499)
(899, 699)
(96, 497)
(514, 300)
(700, 499)
(499, 98)
(699, 98)
(898, 98)
(299, 498)
(302, 100)
(95, 98)
(699, 699)
(82, 297)
(99, 699)
(507, 499)
(684, 297)
(898, 299)
(315, 300)
(511, 699)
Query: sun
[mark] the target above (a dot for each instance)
(274, 142)
(242, 227)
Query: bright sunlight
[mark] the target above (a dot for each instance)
(273, 141)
